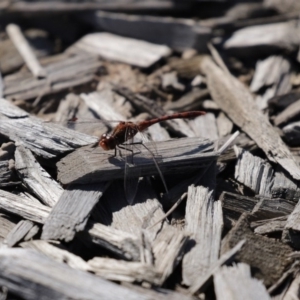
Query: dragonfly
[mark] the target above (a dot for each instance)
(126, 131)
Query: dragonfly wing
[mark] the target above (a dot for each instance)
(150, 145)
(131, 180)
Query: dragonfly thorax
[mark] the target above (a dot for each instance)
(107, 142)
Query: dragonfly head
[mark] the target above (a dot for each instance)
(107, 142)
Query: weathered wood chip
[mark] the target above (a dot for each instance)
(236, 283)
(36, 178)
(269, 226)
(24, 207)
(88, 165)
(117, 270)
(230, 93)
(290, 113)
(7, 224)
(253, 172)
(61, 75)
(277, 36)
(117, 48)
(284, 186)
(45, 139)
(203, 281)
(274, 70)
(18, 233)
(71, 212)
(204, 222)
(174, 32)
(269, 257)
(57, 253)
(120, 242)
(28, 276)
(167, 243)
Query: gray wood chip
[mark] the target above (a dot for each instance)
(277, 36)
(174, 32)
(253, 172)
(88, 164)
(204, 221)
(117, 48)
(28, 276)
(236, 283)
(229, 92)
(117, 270)
(18, 233)
(24, 207)
(72, 211)
(36, 178)
(45, 139)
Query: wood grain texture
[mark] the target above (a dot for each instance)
(204, 222)
(253, 172)
(58, 253)
(120, 242)
(167, 243)
(202, 282)
(61, 75)
(32, 275)
(44, 139)
(228, 92)
(37, 180)
(117, 48)
(71, 212)
(248, 39)
(87, 165)
(117, 270)
(268, 256)
(18, 233)
(176, 33)
(229, 280)
(23, 207)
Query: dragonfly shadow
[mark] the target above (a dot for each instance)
(114, 209)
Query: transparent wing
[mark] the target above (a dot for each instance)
(131, 179)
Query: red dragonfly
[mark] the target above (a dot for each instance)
(122, 137)
(126, 131)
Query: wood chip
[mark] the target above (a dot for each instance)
(274, 70)
(20, 42)
(61, 75)
(249, 41)
(202, 282)
(119, 242)
(44, 139)
(117, 270)
(224, 125)
(204, 222)
(284, 186)
(167, 243)
(31, 270)
(269, 257)
(18, 233)
(36, 178)
(205, 126)
(228, 92)
(87, 165)
(253, 172)
(177, 33)
(290, 113)
(229, 280)
(72, 211)
(60, 255)
(117, 48)
(23, 207)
